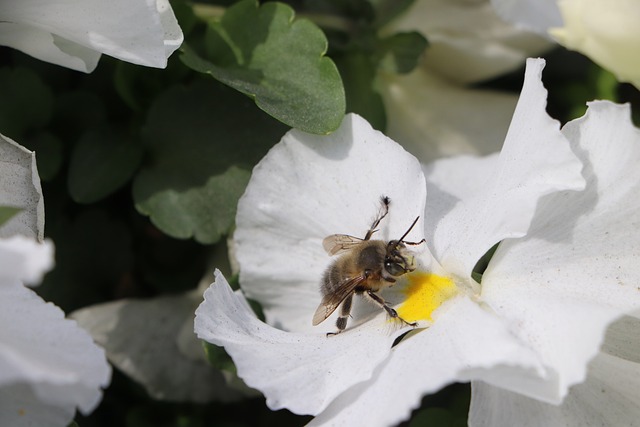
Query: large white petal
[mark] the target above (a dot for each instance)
(300, 372)
(465, 342)
(447, 189)
(141, 339)
(609, 397)
(306, 188)
(143, 32)
(535, 15)
(432, 118)
(20, 187)
(578, 268)
(536, 160)
(48, 354)
(471, 173)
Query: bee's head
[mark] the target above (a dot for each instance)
(395, 261)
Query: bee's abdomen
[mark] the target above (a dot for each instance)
(332, 278)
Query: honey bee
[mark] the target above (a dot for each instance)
(365, 267)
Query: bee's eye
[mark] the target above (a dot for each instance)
(394, 268)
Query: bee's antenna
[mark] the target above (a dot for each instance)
(409, 230)
(396, 243)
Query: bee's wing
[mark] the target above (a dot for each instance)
(337, 243)
(331, 301)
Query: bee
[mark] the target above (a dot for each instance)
(365, 267)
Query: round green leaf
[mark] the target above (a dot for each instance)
(194, 135)
(205, 212)
(262, 52)
(101, 162)
(359, 73)
(26, 101)
(401, 52)
(49, 156)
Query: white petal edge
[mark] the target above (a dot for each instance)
(306, 188)
(536, 160)
(47, 353)
(608, 397)
(300, 372)
(143, 32)
(20, 187)
(578, 269)
(47, 47)
(135, 343)
(24, 260)
(464, 343)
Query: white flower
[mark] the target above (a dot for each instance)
(75, 33)
(468, 42)
(563, 206)
(167, 360)
(605, 31)
(432, 118)
(431, 112)
(48, 365)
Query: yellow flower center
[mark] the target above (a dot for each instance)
(424, 294)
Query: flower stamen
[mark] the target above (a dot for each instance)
(425, 292)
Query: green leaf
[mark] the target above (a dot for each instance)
(49, 155)
(6, 213)
(359, 74)
(280, 63)
(138, 86)
(436, 417)
(205, 212)
(606, 85)
(26, 102)
(401, 52)
(195, 135)
(218, 357)
(101, 162)
(94, 257)
(79, 110)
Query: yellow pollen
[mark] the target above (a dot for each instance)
(425, 293)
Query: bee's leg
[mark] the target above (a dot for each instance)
(345, 311)
(414, 243)
(382, 303)
(385, 201)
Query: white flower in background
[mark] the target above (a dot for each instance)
(433, 118)
(49, 367)
(468, 42)
(152, 341)
(430, 112)
(562, 204)
(606, 31)
(75, 33)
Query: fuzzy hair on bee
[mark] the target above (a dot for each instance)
(364, 267)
